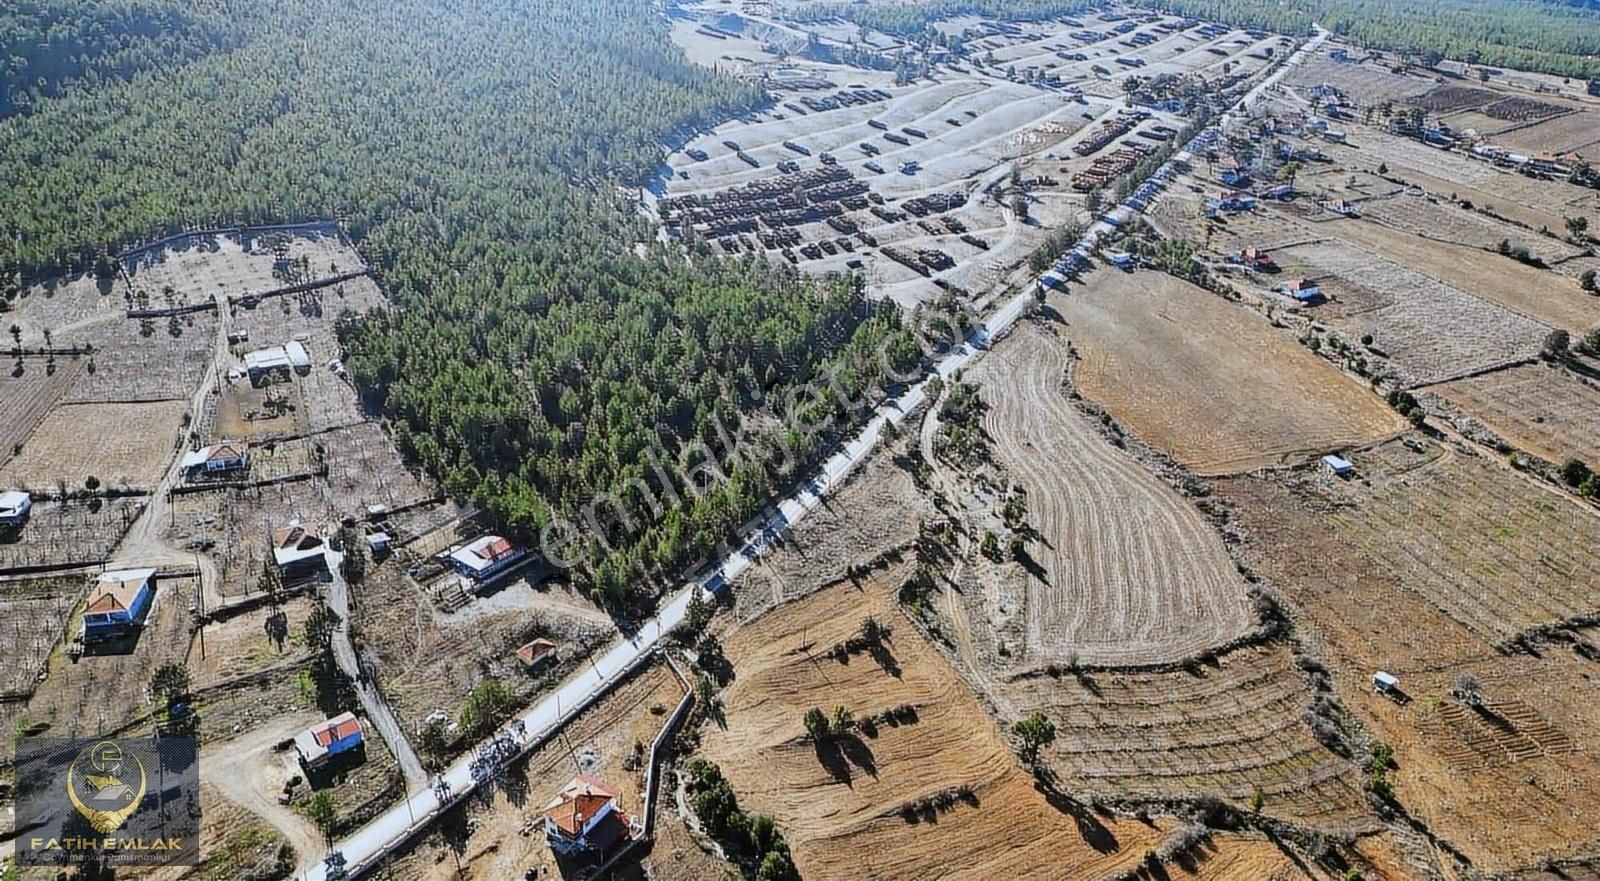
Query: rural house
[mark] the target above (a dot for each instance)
(117, 604)
(1302, 290)
(320, 743)
(486, 558)
(218, 459)
(584, 818)
(299, 553)
(14, 508)
(536, 654)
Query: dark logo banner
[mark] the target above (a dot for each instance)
(110, 801)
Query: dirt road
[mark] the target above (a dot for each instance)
(245, 768)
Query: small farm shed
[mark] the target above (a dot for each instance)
(14, 508)
(1384, 683)
(536, 653)
(321, 742)
(118, 603)
(1338, 466)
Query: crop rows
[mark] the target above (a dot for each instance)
(1492, 552)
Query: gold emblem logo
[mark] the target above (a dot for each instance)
(98, 773)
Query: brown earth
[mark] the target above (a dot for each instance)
(840, 807)
(120, 444)
(1508, 787)
(1208, 382)
(1127, 570)
(1545, 411)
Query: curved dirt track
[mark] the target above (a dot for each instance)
(1128, 570)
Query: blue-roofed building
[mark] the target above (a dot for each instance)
(1338, 466)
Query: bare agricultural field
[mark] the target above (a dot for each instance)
(1229, 729)
(146, 359)
(1431, 331)
(118, 444)
(849, 811)
(1364, 84)
(199, 268)
(1490, 549)
(1131, 572)
(365, 469)
(26, 398)
(33, 620)
(1439, 220)
(79, 532)
(1577, 132)
(1547, 297)
(1508, 788)
(64, 304)
(1209, 382)
(1547, 412)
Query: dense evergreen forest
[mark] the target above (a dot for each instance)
(1550, 36)
(46, 45)
(473, 148)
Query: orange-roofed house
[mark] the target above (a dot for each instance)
(324, 740)
(118, 603)
(584, 819)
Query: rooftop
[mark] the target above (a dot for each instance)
(577, 802)
(118, 591)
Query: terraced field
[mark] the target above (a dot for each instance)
(1226, 729)
(1492, 551)
(1129, 571)
(1549, 413)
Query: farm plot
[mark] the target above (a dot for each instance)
(64, 304)
(603, 741)
(240, 411)
(1439, 220)
(1549, 413)
(1229, 729)
(1572, 132)
(1508, 789)
(1210, 382)
(1364, 84)
(1431, 331)
(145, 359)
(120, 445)
(199, 268)
(1494, 552)
(428, 661)
(27, 397)
(81, 532)
(1544, 296)
(33, 619)
(234, 525)
(851, 810)
(365, 469)
(1130, 572)
(106, 693)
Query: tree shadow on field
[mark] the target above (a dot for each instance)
(1090, 828)
(838, 752)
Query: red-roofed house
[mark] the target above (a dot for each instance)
(299, 552)
(118, 603)
(326, 739)
(585, 818)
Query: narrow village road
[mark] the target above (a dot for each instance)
(372, 701)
